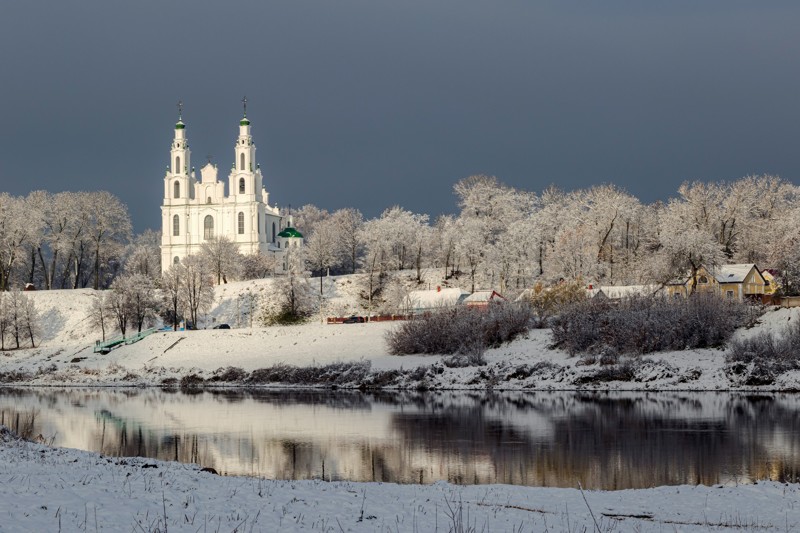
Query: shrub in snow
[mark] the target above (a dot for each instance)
(549, 301)
(759, 359)
(650, 324)
(463, 331)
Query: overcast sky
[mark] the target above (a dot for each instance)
(371, 103)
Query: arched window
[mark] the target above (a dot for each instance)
(176, 189)
(208, 200)
(258, 225)
(208, 228)
(241, 185)
(176, 225)
(240, 222)
(273, 232)
(241, 161)
(176, 260)
(279, 244)
(177, 164)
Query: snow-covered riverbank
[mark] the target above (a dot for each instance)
(343, 355)
(54, 489)
(355, 355)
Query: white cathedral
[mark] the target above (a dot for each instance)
(194, 212)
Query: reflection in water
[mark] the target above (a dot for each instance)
(609, 441)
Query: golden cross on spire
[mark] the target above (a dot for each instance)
(180, 109)
(244, 104)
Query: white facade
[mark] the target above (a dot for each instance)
(193, 212)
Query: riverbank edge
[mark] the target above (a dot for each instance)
(46, 487)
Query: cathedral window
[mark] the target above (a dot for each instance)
(208, 228)
(241, 185)
(176, 260)
(176, 190)
(176, 225)
(208, 200)
(177, 164)
(241, 161)
(273, 232)
(240, 223)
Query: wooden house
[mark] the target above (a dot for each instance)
(739, 282)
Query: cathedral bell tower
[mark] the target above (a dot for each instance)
(245, 177)
(179, 181)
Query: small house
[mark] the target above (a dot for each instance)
(483, 298)
(618, 292)
(430, 300)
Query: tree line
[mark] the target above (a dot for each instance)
(502, 237)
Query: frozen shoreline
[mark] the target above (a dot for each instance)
(51, 489)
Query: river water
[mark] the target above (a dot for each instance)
(554, 439)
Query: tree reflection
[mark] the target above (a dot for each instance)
(602, 440)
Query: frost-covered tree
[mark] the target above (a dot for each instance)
(198, 289)
(256, 266)
(348, 223)
(143, 256)
(109, 229)
(320, 251)
(172, 294)
(308, 218)
(5, 323)
(222, 257)
(293, 297)
(99, 312)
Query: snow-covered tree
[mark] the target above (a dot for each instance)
(198, 289)
(144, 255)
(222, 257)
(99, 312)
(108, 232)
(256, 266)
(320, 251)
(348, 223)
(172, 294)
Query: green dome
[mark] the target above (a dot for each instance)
(289, 233)
(244, 122)
(180, 125)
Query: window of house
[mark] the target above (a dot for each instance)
(176, 225)
(729, 295)
(208, 227)
(241, 223)
(176, 190)
(703, 280)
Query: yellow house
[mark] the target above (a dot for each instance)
(737, 282)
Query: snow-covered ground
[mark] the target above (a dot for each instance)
(59, 489)
(65, 354)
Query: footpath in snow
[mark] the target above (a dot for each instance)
(53, 489)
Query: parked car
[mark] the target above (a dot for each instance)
(354, 319)
(222, 326)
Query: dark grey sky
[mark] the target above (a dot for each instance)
(371, 103)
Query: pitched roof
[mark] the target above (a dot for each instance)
(483, 296)
(616, 292)
(733, 273)
(435, 298)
